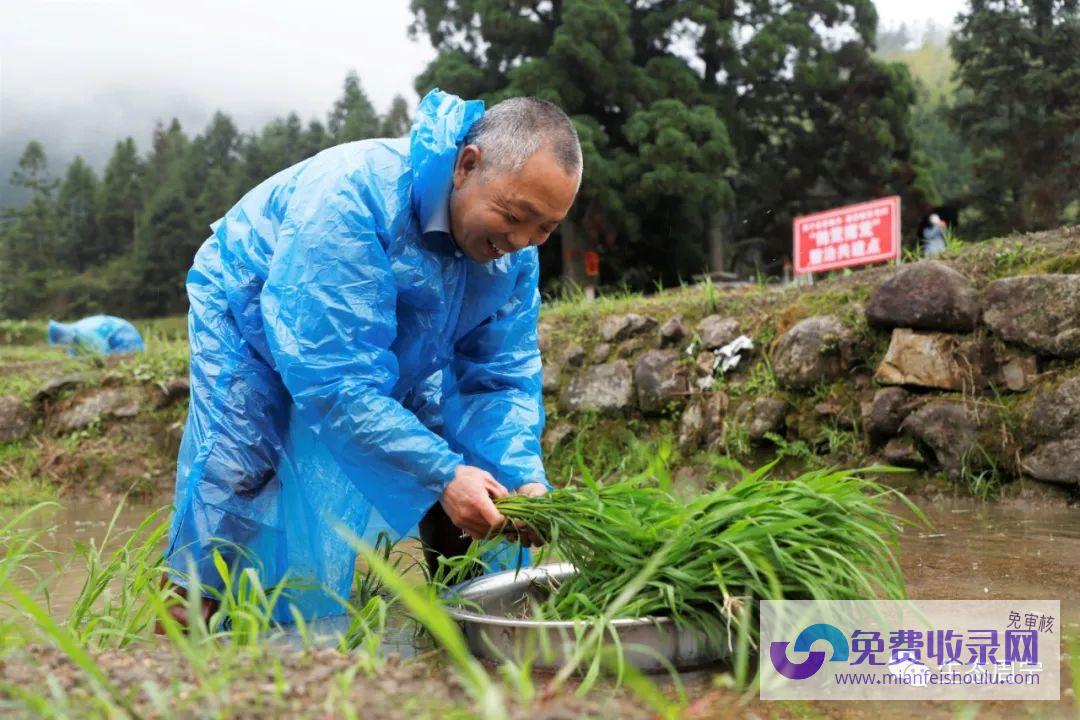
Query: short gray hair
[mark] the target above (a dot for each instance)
(512, 131)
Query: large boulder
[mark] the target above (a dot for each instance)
(717, 331)
(616, 328)
(1055, 413)
(551, 378)
(631, 347)
(15, 419)
(902, 452)
(556, 435)
(929, 360)
(543, 336)
(1057, 461)
(946, 430)
(573, 356)
(703, 421)
(673, 331)
(173, 391)
(692, 425)
(1040, 312)
(607, 389)
(599, 353)
(661, 380)
(883, 415)
(762, 416)
(53, 387)
(82, 411)
(926, 295)
(814, 350)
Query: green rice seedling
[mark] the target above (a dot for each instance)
(824, 535)
(593, 641)
(245, 611)
(424, 604)
(367, 626)
(18, 543)
(111, 610)
(711, 295)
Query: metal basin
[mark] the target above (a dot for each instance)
(496, 629)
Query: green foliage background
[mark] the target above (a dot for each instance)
(694, 116)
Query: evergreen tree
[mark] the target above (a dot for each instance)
(1018, 107)
(29, 249)
(167, 233)
(165, 247)
(79, 246)
(353, 116)
(315, 139)
(811, 121)
(119, 201)
(167, 150)
(396, 122)
(210, 168)
(281, 143)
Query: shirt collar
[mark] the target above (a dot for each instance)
(436, 226)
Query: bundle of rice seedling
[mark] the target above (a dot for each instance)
(827, 535)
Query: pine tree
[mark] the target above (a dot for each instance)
(353, 116)
(1018, 107)
(210, 168)
(120, 201)
(30, 240)
(167, 233)
(76, 211)
(796, 119)
(396, 122)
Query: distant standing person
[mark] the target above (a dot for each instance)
(933, 236)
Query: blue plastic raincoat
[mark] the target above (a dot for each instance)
(98, 334)
(346, 358)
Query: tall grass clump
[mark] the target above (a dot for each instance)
(826, 535)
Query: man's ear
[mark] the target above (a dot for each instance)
(468, 163)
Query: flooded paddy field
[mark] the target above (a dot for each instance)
(1014, 549)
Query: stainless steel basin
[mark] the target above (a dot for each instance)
(496, 628)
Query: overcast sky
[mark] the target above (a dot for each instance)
(80, 74)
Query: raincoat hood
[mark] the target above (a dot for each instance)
(441, 124)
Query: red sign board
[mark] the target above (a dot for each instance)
(859, 234)
(592, 264)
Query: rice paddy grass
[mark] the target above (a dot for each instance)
(825, 535)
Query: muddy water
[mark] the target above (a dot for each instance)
(1007, 550)
(80, 521)
(60, 571)
(1004, 551)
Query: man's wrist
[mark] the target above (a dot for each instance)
(442, 476)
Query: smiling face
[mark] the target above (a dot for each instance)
(493, 213)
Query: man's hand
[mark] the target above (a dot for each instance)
(467, 501)
(525, 535)
(178, 611)
(533, 489)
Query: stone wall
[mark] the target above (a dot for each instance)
(931, 372)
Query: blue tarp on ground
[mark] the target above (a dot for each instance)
(98, 334)
(344, 362)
